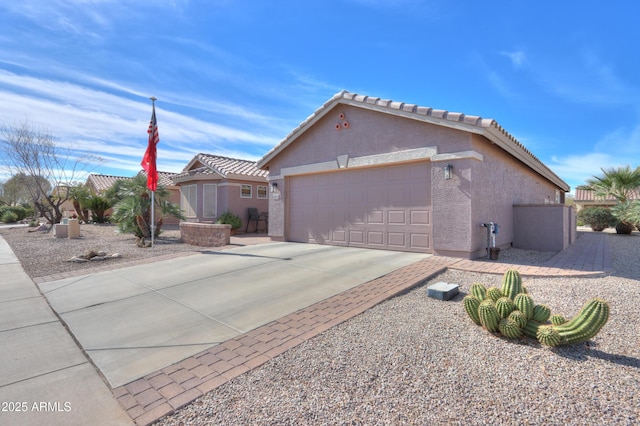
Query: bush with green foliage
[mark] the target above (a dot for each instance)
(598, 218)
(132, 213)
(98, 206)
(230, 218)
(9, 217)
(11, 214)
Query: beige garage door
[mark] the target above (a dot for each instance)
(382, 207)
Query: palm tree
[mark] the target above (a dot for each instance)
(620, 183)
(133, 212)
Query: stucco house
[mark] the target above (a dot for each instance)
(211, 185)
(367, 172)
(585, 197)
(100, 183)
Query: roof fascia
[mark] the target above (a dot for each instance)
(498, 137)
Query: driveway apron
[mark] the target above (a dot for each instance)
(139, 319)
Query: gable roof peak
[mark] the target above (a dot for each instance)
(486, 127)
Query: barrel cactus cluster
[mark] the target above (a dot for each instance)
(511, 311)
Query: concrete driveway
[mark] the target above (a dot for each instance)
(136, 320)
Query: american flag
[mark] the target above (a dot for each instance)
(149, 160)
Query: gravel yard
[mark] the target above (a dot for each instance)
(413, 359)
(41, 254)
(416, 360)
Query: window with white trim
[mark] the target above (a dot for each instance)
(209, 200)
(189, 200)
(246, 191)
(262, 192)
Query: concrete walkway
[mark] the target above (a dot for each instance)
(45, 378)
(160, 392)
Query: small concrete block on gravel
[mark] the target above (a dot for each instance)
(443, 291)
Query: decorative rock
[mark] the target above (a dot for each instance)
(442, 291)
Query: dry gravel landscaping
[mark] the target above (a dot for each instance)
(41, 254)
(418, 360)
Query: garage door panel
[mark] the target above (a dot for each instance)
(397, 240)
(420, 241)
(356, 237)
(397, 217)
(375, 238)
(375, 217)
(383, 207)
(340, 237)
(420, 217)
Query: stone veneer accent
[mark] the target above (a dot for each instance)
(205, 234)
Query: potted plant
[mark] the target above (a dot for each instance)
(229, 218)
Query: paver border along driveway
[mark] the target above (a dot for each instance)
(137, 320)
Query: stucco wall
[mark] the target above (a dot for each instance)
(452, 206)
(368, 133)
(485, 184)
(545, 227)
(229, 199)
(498, 183)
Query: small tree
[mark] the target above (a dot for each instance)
(98, 206)
(32, 151)
(79, 195)
(620, 183)
(133, 212)
(598, 218)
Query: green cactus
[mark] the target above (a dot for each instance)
(548, 336)
(541, 313)
(524, 303)
(494, 293)
(509, 329)
(505, 306)
(479, 291)
(489, 316)
(584, 326)
(511, 284)
(519, 318)
(471, 304)
(558, 319)
(531, 329)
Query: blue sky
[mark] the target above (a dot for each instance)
(233, 77)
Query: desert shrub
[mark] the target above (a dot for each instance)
(228, 218)
(598, 218)
(17, 213)
(9, 217)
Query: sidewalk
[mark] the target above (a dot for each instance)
(45, 378)
(65, 374)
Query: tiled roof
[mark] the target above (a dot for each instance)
(103, 182)
(585, 195)
(224, 166)
(483, 126)
(164, 178)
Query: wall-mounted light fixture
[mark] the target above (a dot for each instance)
(274, 186)
(448, 171)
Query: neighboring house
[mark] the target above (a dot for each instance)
(211, 185)
(99, 184)
(368, 172)
(166, 179)
(585, 197)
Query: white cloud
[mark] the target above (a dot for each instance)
(518, 58)
(576, 169)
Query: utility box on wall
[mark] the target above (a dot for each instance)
(543, 227)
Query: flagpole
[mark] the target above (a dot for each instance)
(153, 203)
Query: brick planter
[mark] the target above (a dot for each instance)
(205, 234)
